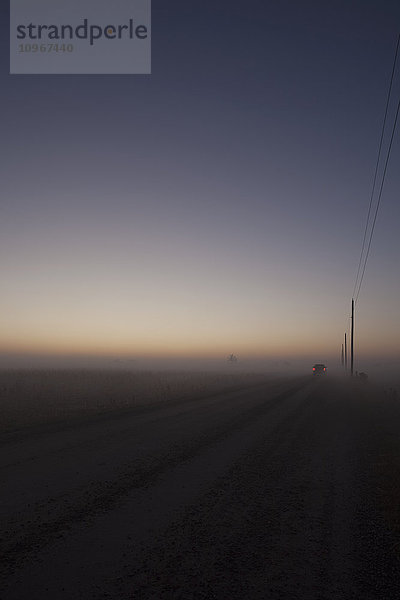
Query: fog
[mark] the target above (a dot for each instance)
(290, 365)
(378, 368)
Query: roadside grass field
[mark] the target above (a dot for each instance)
(379, 407)
(31, 397)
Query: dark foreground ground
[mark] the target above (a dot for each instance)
(283, 491)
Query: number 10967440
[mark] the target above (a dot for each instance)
(45, 48)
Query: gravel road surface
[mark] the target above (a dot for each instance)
(283, 490)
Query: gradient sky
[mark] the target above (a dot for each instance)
(215, 206)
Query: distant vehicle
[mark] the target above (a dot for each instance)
(319, 369)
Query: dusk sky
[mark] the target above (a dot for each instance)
(217, 205)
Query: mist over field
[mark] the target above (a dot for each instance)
(383, 366)
(38, 395)
(34, 396)
(192, 363)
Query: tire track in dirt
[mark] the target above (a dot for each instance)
(31, 537)
(295, 517)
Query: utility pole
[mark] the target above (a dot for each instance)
(352, 338)
(342, 357)
(345, 352)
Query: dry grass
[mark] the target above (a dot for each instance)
(383, 406)
(388, 466)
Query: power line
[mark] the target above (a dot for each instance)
(379, 199)
(363, 263)
(374, 182)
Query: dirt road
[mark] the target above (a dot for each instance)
(281, 491)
